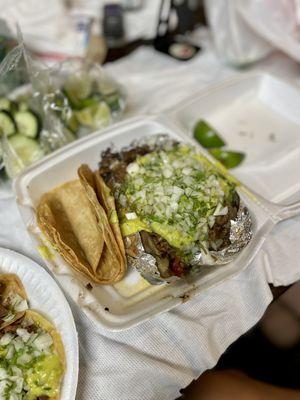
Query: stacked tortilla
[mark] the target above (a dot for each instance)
(80, 220)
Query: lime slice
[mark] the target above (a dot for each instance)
(94, 117)
(230, 159)
(72, 123)
(207, 136)
(91, 101)
(106, 87)
(77, 88)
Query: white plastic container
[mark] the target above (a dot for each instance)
(132, 300)
(45, 297)
(259, 115)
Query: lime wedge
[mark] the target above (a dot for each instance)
(77, 88)
(95, 117)
(230, 159)
(207, 136)
(72, 123)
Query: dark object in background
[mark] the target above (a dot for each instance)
(113, 25)
(189, 18)
(176, 47)
(6, 40)
(253, 354)
(169, 42)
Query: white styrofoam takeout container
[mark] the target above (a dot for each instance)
(132, 300)
(258, 114)
(45, 297)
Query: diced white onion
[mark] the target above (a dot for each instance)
(10, 352)
(220, 210)
(178, 190)
(131, 216)
(174, 206)
(33, 336)
(37, 353)
(18, 343)
(3, 386)
(21, 306)
(24, 334)
(6, 339)
(16, 371)
(224, 211)
(19, 384)
(132, 168)
(43, 341)
(167, 173)
(207, 258)
(3, 374)
(211, 221)
(122, 200)
(24, 359)
(13, 396)
(187, 171)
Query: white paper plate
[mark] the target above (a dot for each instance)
(46, 297)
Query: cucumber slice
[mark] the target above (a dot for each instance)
(27, 123)
(7, 124)
(14, 107)
(94, 117)
(207, 136)
(28, 150)
(23, 106)
(230, 159)
(4, 104)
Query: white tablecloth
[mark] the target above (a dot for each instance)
(154, 360)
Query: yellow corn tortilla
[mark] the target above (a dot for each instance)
(12, 286)
(76, 225)
(107, 201)
(46, 326)
(112, 251)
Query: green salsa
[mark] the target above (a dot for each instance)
(44, 377)
(29, 366)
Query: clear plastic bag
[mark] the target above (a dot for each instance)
(236, 43)
(95, 100)
(276, 21)
(47, 108)
(24, 124)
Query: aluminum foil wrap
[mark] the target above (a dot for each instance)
(142, 261)
(146, 264)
